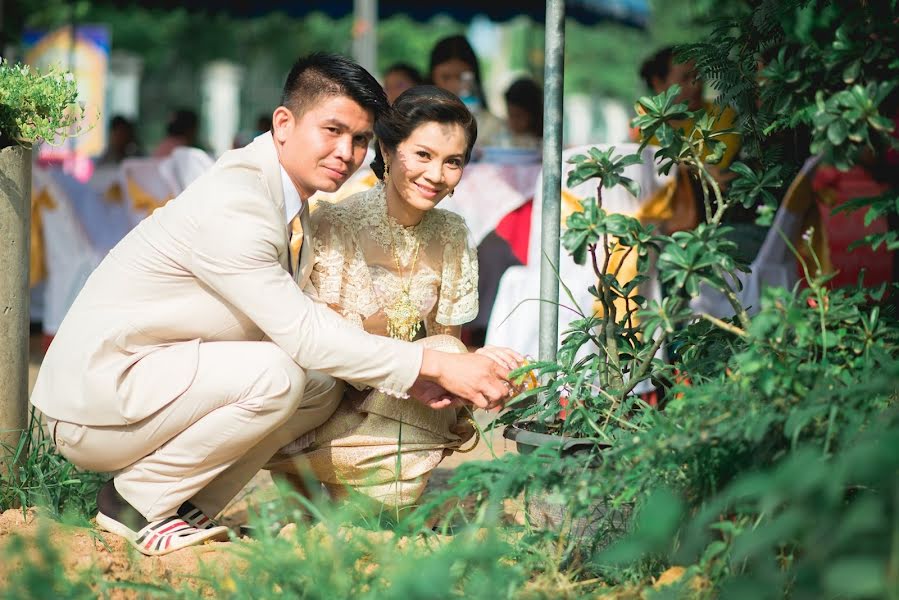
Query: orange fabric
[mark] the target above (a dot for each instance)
(114, 194)
(143, 200)
(673, 204)
(40, 202)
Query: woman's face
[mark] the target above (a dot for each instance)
(448, 75)
(428, 164)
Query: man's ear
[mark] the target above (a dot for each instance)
(282, 123)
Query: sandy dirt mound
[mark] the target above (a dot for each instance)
(82, 549)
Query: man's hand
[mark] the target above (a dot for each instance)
(475, 378)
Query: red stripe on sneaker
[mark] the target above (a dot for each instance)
(176, 525)
(149, 544)
(202, 521)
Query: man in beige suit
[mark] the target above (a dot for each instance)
(191, 354)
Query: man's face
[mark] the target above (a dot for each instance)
(685, 75)
(325, 145)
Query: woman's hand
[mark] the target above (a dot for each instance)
(504, 357)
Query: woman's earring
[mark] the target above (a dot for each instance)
(451, 192)
(386, 171)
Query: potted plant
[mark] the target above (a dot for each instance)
(34, 107)
(584, 403)
(592, 397)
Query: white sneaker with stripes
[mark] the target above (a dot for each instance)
(196, 517)
(164, 535)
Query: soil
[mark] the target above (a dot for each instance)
(82, 548)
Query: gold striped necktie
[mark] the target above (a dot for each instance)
(296, 243)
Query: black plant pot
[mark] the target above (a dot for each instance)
(530, 435)
(601, 524)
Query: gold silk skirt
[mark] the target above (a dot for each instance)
(381, 446)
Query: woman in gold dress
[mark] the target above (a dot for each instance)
(390, 262)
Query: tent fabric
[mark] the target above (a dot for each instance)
(589, 12)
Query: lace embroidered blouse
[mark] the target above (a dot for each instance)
(355, 265)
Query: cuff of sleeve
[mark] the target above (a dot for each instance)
(402, 380)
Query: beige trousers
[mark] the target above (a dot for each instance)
(246, 401)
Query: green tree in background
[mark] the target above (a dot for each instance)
(601, 61)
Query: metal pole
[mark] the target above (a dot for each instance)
(365, 34)
(554, 76)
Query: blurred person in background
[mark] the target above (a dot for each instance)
(182, 130)
(454, 67)
(524, 106)
(398, 78)
(122, 142)
(263, 125)
(684, 209)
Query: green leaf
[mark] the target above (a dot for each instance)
(837, 132)
(857, 577)
(850, 73)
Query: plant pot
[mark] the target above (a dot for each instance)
(530, 435)
(547, 511)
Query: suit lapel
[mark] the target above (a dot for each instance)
(264, 147)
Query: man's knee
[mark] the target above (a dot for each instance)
(280, 383)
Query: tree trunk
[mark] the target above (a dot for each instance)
(15, 234)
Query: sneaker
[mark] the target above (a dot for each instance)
(195, 517)
(158, 537)
(164, 535)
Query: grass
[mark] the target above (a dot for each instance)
(445, 549)
(458, 543)
(36, 475)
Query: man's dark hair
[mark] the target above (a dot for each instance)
(526, 93)
(407, 70)
(324, 74)
(415, 107)
(657, 65)
(183, 122)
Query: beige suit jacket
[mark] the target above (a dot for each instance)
(211, 265)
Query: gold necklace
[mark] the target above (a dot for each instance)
(404, 317)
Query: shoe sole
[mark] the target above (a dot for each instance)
(215, 534)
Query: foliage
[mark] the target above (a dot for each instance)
(774, 442)
(37, 106)
(36, 475)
